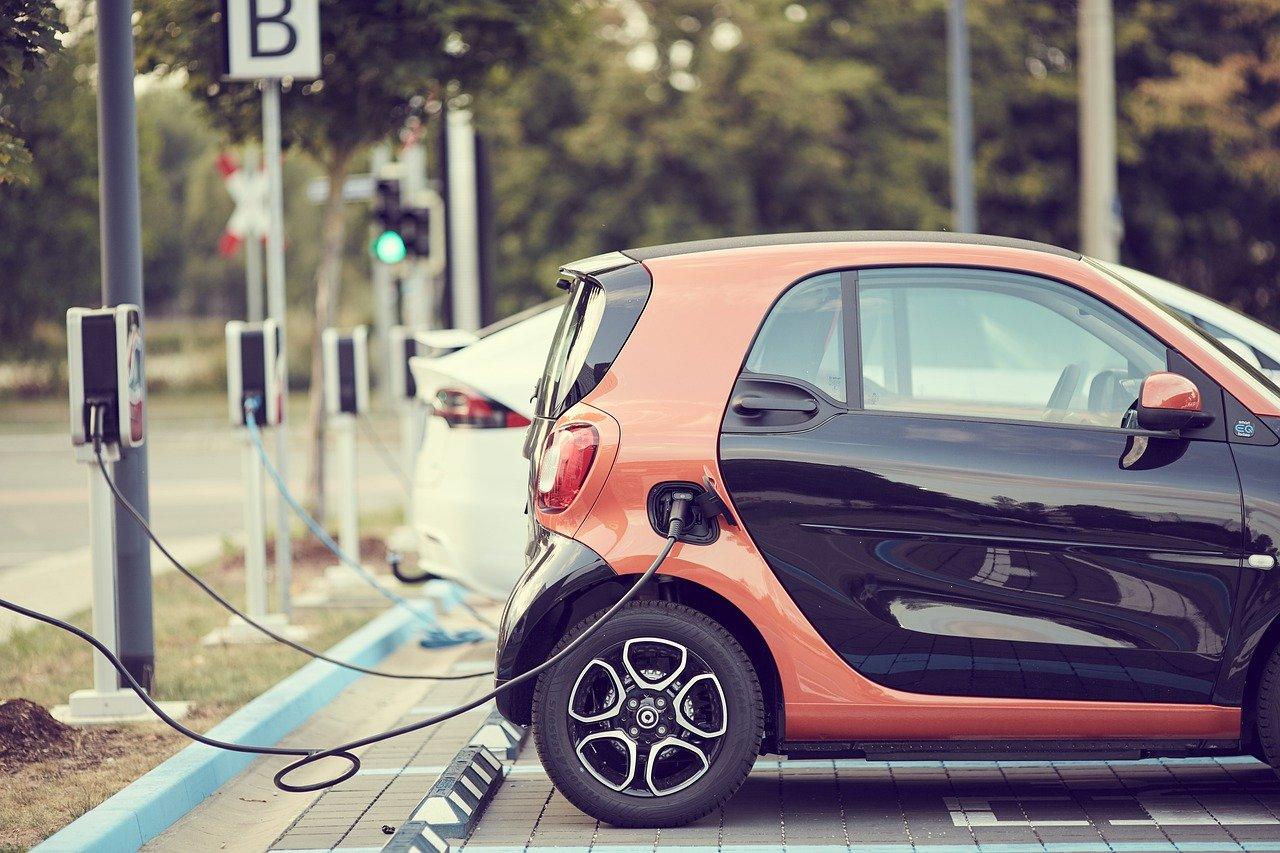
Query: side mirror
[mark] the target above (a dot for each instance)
(1169, 403)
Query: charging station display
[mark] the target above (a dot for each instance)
(105, 371)
(346, 371)
(255, 370)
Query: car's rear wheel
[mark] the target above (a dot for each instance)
(654, 721)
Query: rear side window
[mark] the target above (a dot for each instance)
(803, 337)
(578, 326)
(597, 320)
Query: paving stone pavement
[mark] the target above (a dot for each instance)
(395, 774)
(1201, 805)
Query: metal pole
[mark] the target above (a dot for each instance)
(121, 229)
(344, 428)
(102, 553)
(464, 232)
(1099, 198)
(417, 297)
(964, 206)
(255, 532)
(276, 310)
(253, 248)
(383, 295)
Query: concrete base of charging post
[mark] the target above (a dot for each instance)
(454, 803)
(104, 708)
(239, 632)
(152, 804)
(340, 586)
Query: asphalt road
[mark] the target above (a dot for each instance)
(196, 482)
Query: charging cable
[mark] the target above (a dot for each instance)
(306, 757)
(679, 507)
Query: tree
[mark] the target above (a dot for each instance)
(379, 58)
(694, 118)
(29, 32)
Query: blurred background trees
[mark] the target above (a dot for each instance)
(641, 121)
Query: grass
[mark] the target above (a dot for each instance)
(45, 665)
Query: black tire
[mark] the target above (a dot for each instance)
(1267, 709)
(734, 753)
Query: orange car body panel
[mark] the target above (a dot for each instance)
(669, 401)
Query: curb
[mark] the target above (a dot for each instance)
(500, 736)
(453, 805)
(151, 804)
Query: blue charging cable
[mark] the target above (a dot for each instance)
(436, 636)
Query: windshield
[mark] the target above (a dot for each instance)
(1257, 376)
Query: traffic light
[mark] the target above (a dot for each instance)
(389, 244)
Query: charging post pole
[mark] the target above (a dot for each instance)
(106, 380)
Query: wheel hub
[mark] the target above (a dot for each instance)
(647, 717)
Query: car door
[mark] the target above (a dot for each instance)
(935, 463)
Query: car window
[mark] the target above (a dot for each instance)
(982, 343)
(803, 337)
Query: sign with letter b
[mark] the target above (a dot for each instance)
(264, 39)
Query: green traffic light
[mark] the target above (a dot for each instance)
(389, 247)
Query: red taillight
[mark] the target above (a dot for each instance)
(562, 469)
(462, 407)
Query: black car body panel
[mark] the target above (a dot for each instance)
(957, 557)
(559, 570)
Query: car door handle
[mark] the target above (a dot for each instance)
(752, 404)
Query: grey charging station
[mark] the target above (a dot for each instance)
(106, 377)
(255, 370)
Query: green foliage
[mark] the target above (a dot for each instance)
(833, 114)
(29, 32)
(378, 56)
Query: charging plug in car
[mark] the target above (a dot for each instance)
(703, 506)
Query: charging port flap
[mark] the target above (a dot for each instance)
(701, 529)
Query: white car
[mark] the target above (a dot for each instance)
(471, 477)
(1256, 344)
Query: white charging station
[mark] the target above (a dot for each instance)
(255, 374)
(107, 395)
(255, 370)
(345, 359)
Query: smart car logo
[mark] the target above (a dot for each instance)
(1244, 429)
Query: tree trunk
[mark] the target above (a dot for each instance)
(328, 283)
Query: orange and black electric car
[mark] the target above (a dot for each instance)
(944, 495)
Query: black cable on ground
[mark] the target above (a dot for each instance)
(170, 721)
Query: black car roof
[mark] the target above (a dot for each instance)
(669, 249)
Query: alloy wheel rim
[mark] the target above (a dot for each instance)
(647, 717)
